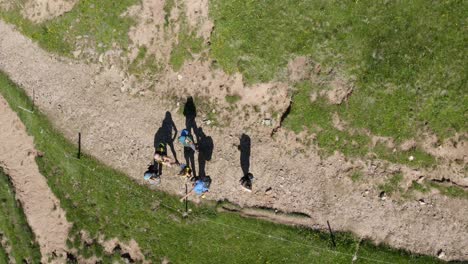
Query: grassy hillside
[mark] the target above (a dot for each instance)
(104, 201)
(408, 58)
(18, 241)
(96, 23)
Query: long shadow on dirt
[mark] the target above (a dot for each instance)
(244, 148)
(166, 134)
(205, 143)
(205, 151)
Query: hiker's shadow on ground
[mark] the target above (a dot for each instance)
(190, 113)
(205, 151)
(204, 142)
(166, 134)
(244, 148)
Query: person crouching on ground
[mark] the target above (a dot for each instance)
(185, 172)
(200, 187)
(160, 156)
(246, 182)
(151, 175)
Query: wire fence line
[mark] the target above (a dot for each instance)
(353, 257)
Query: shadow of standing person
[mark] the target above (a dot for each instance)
(244, 148)
(205, 151)
(165, 136)
(190, 113)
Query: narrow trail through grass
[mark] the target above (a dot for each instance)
(105, 202)
(14, 229)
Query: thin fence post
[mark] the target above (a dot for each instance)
(331, 235)
(186, 200)
(33, 98)
(79, 145)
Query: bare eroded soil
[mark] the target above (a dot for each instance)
(118, 127)
(41, 207)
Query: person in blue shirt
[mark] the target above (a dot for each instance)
(200, 187)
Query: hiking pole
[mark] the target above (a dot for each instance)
(33, 98)
(331, 235)
(79, 145)
(186, 200)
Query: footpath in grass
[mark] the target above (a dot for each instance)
(408, 58)
(106, 202)
(17, 242)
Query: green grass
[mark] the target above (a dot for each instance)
(144, 65)
(419, 187)
(408, 58)
(104, 201)
(99, 21)
(392, 185)
(232, 99)
(188, 44)
(317, 118)
(356, 176)
(451, 191)
(168, 5)
(14, 228)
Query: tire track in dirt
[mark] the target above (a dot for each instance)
(41, 207)
(119, 129)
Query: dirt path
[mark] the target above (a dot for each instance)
(41, 207)
(119, 129)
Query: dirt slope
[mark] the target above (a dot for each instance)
(119, 129)
(41, 207)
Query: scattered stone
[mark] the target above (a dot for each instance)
(165, 260)
(420, 179)
(422, 202)
(365, 193)
(179, 77)
(383, 196)
(268, 190)
(267, 122)
(408, 145)
(441, 254)
(411, 158)
(313, 97)
(76, 53)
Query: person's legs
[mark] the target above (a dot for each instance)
(189, 155)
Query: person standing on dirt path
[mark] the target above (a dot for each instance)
(186, 139)
(201, 187)
(189, 149)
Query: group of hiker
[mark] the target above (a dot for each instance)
(203, 147)
(201, 185)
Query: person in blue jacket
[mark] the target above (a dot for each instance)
(200, 187)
